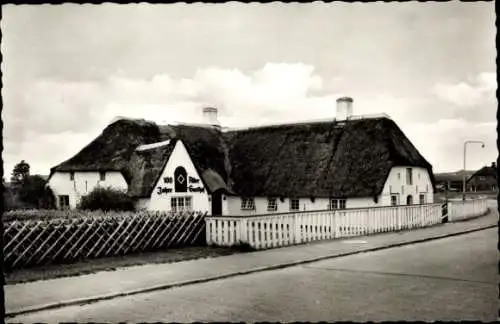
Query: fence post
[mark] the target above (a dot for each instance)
(208, 235)
(399, 218)
(243, 233)
(296, 232)
(422, 216)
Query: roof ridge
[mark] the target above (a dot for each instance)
(354, 118)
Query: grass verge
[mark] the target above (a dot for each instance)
(52, 271)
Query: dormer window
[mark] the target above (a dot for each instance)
(71, 176)
(102, 176)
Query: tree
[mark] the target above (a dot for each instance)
(20, 173)
(106, 199)
(35, 193)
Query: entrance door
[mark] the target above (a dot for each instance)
(409, 200)
(216, 204)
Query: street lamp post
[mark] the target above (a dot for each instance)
(465, 154)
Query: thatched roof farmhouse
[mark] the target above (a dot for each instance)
(485, 179)
(338, 163)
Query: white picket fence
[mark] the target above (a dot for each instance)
(275, 230)
(464, 209)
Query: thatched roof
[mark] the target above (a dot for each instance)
(320, 159)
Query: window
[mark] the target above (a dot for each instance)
(421, 199)
(63, 201)
(390, 189)
(418, 176)
(294, 204)
(409, 200)
(181, 204)
(399, 176)
(337, 204)
(102, 176)
(394, 200)
(71, 176)
(402, 190)
(272, 205)
(409, 176)
(247, 204)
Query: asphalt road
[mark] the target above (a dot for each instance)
(449, 279)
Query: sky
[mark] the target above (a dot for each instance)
(69, 69)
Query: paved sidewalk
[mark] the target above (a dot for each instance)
(38, 295)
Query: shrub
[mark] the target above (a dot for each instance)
(106, 199)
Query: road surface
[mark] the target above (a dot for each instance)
(448, 279)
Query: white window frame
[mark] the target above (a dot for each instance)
(102, 175)
(247, 204)
(337, 203)
(421, 199)
(72, 176)
(272, 204)
(396, 200)
(181, 203)
(294, 202)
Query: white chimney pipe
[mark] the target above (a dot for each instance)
(210, 116)
(344, 108)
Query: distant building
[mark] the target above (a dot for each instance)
(347, 162)
(484, 180)
(451, 181)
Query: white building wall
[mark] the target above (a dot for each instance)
(225, 205)
(234, 205)
(83, 183)
(161, 201)
(397, 184)
(362, 202)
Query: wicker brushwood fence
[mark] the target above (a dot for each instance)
(41, 237)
